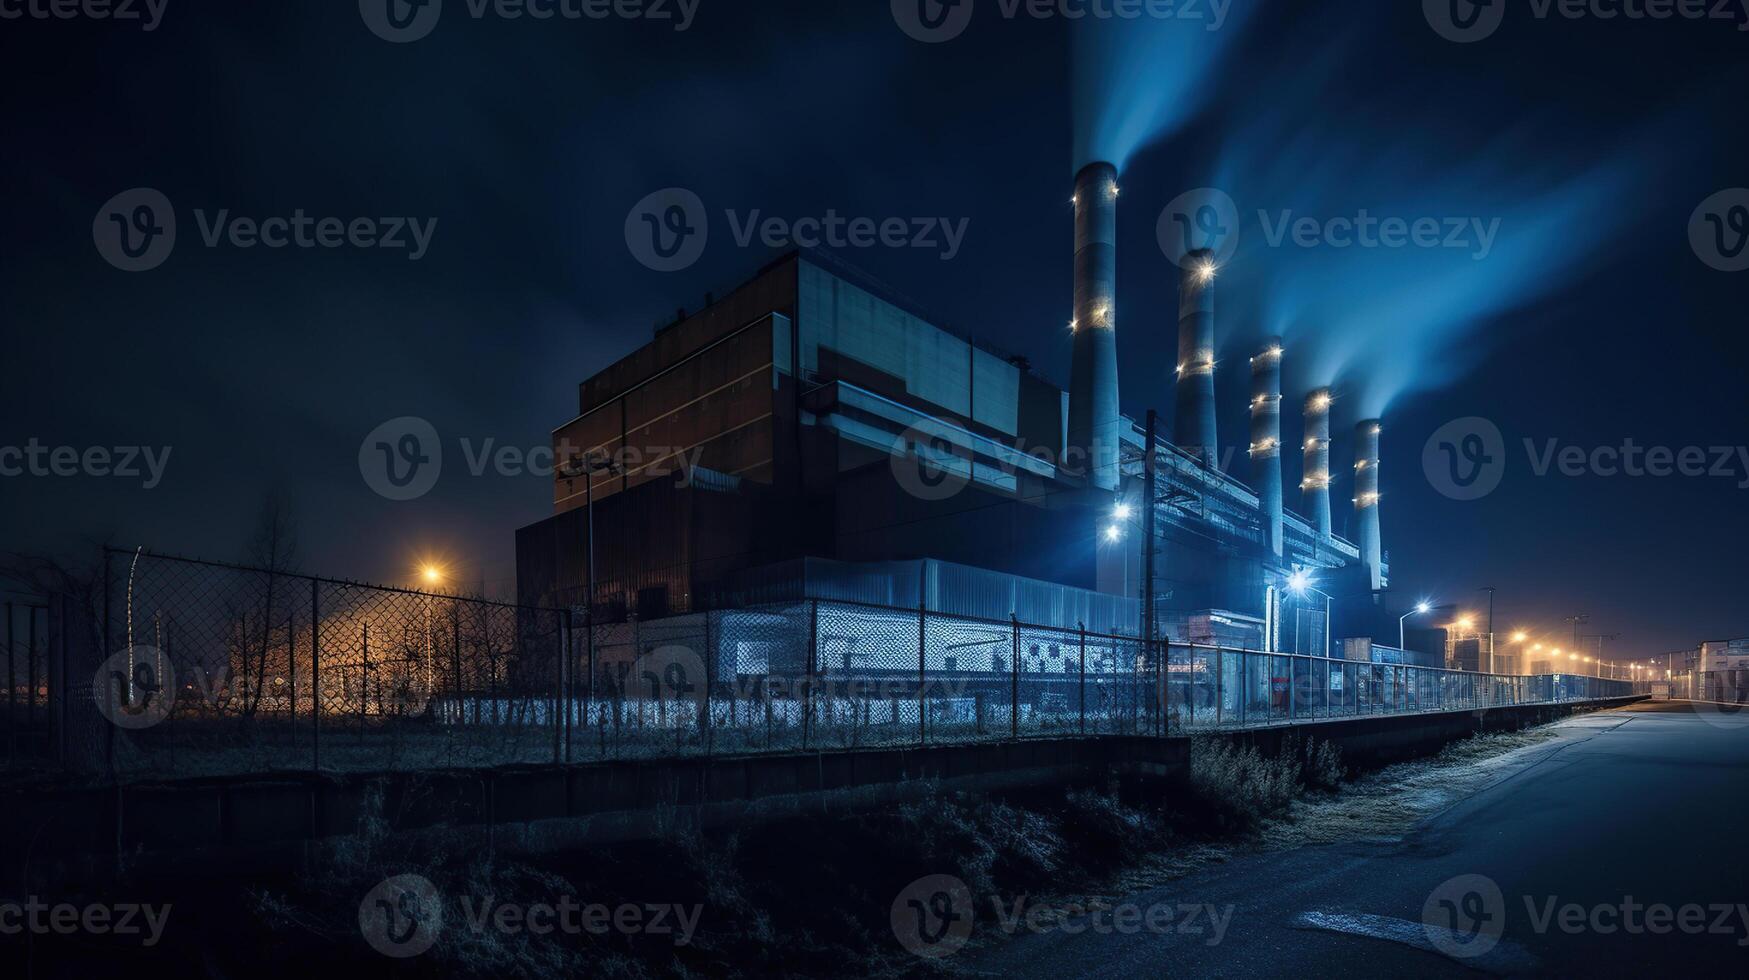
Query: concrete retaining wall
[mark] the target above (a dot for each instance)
(274, 822)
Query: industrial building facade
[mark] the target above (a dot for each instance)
(810, 415)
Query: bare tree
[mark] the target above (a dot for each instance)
(273, 548)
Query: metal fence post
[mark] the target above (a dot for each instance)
(1292, 707)
(29, 665)
(808, 677)
(455, 658)
(1220, 685)
(58, 689)
(560, 706)
(316, 674)
(363, 689)
(1014, 683)
(922, 673)
(568, 652)
(589, 652)
(1159, 653)
(1082, 627)
(710, 678)
(103, 658)
(11, 688)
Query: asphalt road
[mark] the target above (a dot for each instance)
(1644, 806)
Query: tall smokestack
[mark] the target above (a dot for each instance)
(1266, 439)
(1093, 413)
(1194, 427)
(1367, 536)
(1315, 488)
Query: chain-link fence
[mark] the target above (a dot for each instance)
(1212, 687)
(207, 668)
(819, 674)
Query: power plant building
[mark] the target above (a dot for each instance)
(812, 430)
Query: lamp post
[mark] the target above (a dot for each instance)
(1421, 609)
(588, 465)
(1300, 583)
(1490, 590)
(432, 575)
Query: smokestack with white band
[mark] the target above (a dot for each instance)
(1367, 536)
(1194, 427)
(1315, 487)
(1093, 411)
(1266, 440)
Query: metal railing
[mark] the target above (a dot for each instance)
(1210, 687)
(204, 668)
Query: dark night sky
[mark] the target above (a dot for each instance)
(530, 142)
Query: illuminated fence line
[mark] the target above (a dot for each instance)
(1210, 688)
(263, 671)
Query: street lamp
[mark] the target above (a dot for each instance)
(432, 575)
(1422, 608)
(1300, 582)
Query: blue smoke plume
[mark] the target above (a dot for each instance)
(1137, 81)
